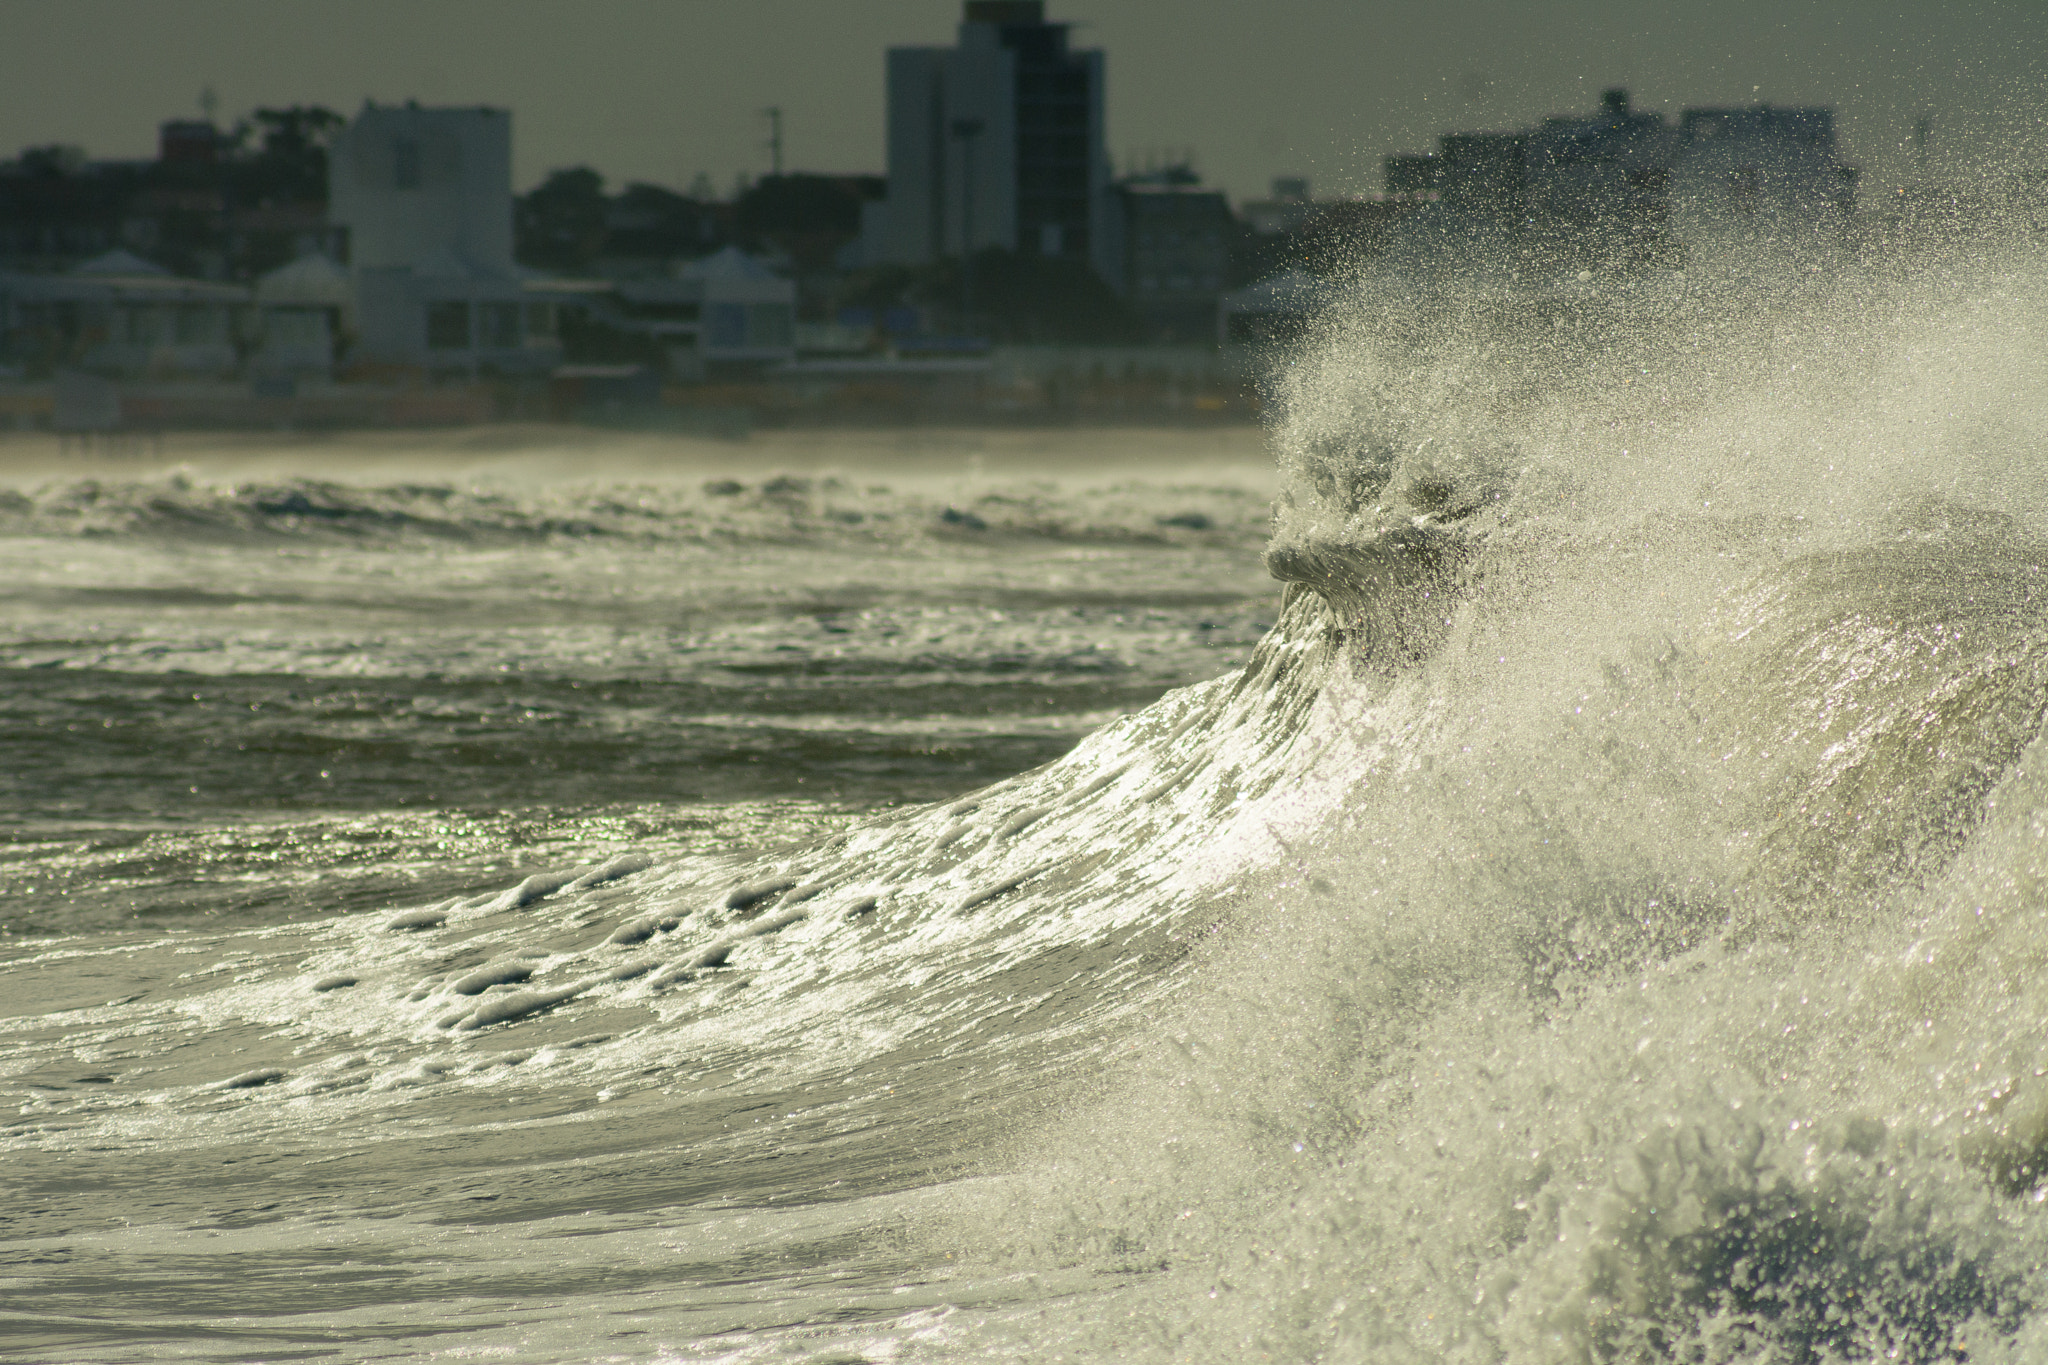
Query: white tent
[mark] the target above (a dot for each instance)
(120, 262)
(312, 281)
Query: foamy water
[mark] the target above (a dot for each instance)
(1601, 919)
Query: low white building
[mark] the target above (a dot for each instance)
(121, 315)
(449, 316)
(725, 316)
(301, 310)
(747, 312)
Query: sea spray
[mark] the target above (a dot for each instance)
(1642, 1002)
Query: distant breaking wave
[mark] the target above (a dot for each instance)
(778, 510)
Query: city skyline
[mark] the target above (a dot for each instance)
(664, 93)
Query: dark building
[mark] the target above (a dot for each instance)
(1625, 189)
(568, 223)
(1293, 230)
(1482, 173)
(997, 142)
(188, 142)
(58, 210)
(646, 223)
(1179, 241)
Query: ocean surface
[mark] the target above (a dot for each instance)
(1539, 855)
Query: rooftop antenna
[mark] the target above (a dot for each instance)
(1923, 129)
(208, 101)
(774, 117)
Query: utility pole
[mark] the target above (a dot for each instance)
(774, 117)
(967, 130)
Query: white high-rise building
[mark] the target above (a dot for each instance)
(409, 182)
(426, 198)
(997, 142)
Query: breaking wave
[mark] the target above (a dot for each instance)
(1603, 922)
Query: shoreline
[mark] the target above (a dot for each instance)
(530, 452)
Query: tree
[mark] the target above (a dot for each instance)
(53, 162)
(807, 218)
(290, 163)
(650, 223)
(560, 224)
(1023, 297)
(1016, 297)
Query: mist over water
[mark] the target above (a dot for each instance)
(1601, 920)
(235, 665)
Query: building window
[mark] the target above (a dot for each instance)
(540, 322)
(405, 163)
(501, 331)
(1745, 185)
(728, 325)
(768, 324)
(295, 327)
(448, 325)
(148, 325)
(199, 324)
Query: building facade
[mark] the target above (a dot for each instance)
(1734, 188)
(1759, 179)
(1176, 253)
(724, 317)
(407, 182)
(998, 142)
(120, 315)
(425, 199)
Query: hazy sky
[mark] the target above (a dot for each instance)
(661, 90)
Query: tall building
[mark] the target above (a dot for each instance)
(1733, 188)
(1758, 177)
(997, 142)
(1178, 240)
(408, 182)
(425, 196)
